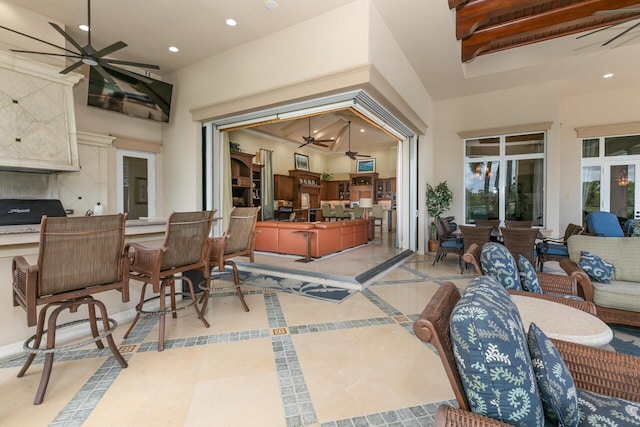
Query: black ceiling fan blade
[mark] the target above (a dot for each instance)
(133, 64)
(68, 37)
(46, 53)
(71, 67)
(37, 39)
(105, 75)
(110, 49)
(320, 144)
(363, 155)
(622, 34)
(306, 143)
(127, 73)
(324, 140)
(596, 31)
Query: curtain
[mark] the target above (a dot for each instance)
(266, 158)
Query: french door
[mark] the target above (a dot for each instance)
(620, 193)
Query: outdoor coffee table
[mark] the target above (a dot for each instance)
(563, 322)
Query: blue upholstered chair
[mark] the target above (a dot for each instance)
(604, 224)
(556, 249)
(447, 243)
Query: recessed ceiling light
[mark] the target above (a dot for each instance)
(173, 49)
(271, 4)
(607, 76)
(361, 130)
(83, 27)
(315, 131)
(231, 22)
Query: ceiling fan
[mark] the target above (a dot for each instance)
(615, 12)
(311, 140)
(353, 154)
(88, 54)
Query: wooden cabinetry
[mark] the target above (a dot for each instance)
(344, 190)
(363, 185)
(244, 182)
(306, 189)
(283, 187)
(385, 188)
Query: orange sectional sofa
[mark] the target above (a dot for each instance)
(326, 237)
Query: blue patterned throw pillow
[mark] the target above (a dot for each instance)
(599, 410)
(528, 277)
(496, 261)
(490, 348)
(557, 389)
(597, 268)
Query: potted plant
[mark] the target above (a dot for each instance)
(438, 200)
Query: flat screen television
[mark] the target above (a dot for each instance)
(145, 97)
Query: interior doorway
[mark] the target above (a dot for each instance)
(136, 183)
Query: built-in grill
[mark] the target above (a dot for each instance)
(28, 211)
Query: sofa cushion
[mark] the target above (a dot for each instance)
(497, 261)
(528, 277)
(597, 268)
(599, 410)
(617, 294)
(491, 353)
(557, 389)
(622, 252)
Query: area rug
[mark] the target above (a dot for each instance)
(626, 339)
(292, 286)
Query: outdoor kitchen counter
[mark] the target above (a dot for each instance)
(24, 240)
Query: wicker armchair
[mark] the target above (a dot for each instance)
(517, 224)
(478, 235)
(521, 241)
(78, 257)
(185, 248)
(238, 240)
(494, 223)
(593, 369)
(553, 285)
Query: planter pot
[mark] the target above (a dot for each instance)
(433, 246)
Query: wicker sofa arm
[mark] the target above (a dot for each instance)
(448, 416)
(585, 287)
(602, 371)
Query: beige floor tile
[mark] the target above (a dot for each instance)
(361, 371)
(401, 274)
(224, 314)
(156, 389)
(16, 394)
(237, 359)
(408, 298)
(248, 400)
(304, 311)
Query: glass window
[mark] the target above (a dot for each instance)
(590, 189)
(482, 147)
(622, 145)
(524, 144)
(590, 148)
(505, 186)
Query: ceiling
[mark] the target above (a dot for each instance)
(454, 52)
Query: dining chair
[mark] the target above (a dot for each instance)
(470, 235)
(517, 224)
(327, 214)
(521, 241)
(78, 257)
(238, 240)
(377, 215)
(340, 213)
(358, 212)
(185, 248)
(495, 223)
(550, 249)
(447, 244)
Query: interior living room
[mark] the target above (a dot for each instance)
(526, 111)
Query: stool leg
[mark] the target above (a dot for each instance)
(236, 280)
(37, 340)
(193, 298)
(109, 337)
(93, 322)
(48, 358)
(138, 309)
(163, 308)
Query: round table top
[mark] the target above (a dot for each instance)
(563, 322)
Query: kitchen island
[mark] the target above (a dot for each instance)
(24, 240)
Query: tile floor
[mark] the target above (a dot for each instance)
(290, 361)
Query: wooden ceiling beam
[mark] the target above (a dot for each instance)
(575, 17)
(479, 13)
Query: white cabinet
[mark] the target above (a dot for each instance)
(37, 119)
